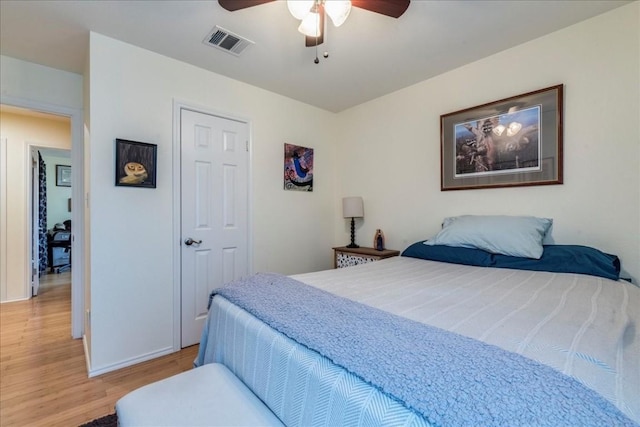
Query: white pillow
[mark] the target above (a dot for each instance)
(519, 236)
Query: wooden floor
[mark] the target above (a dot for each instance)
(43, 374)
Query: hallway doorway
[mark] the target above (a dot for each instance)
(23, 136)
(51, 191)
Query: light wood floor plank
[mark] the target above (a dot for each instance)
(43, 375)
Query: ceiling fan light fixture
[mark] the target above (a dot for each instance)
(300, 8)
(338, 11)
(310, 25)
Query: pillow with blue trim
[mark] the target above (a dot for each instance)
(555, 258)
(518, 236)
(466, 256)
(567, 259)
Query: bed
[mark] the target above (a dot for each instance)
(438, 336)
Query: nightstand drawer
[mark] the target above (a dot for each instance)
(346, 257)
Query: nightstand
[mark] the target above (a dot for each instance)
(345, 257)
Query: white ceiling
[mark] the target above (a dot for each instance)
(369, 56)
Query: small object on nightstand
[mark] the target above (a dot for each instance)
(345, 256)
(378, 240)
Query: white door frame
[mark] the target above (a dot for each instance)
(3, 217)
(33, 188)
(77, 202)
(177, 242)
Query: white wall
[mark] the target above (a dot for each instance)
(131, 96)
(390, 151)
(29, 81)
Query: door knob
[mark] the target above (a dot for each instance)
(189, 241)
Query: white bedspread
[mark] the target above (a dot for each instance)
(586, 327)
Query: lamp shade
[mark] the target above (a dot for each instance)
(310, 25)
(337, 10)
(352, 207)
(300, 8)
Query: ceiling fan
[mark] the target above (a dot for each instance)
(312, 12)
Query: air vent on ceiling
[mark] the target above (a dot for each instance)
(227, 41)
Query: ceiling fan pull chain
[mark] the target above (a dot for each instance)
(317, 61)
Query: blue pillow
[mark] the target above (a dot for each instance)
(519, 236)
(566, 259)
(555, 258)
(466, 256)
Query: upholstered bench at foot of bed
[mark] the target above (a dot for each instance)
(210, 395)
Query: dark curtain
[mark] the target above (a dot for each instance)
(42, 232)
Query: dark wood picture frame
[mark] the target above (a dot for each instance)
(135, 164)
(512, 142)
(63, 176)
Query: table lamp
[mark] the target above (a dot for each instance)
(353, 207)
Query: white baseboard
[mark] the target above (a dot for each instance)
(128, 362)
(15, 300)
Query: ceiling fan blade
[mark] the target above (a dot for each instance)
(392, 8)
(233, 5)
(313, 41)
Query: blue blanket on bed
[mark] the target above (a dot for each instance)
(447, 378)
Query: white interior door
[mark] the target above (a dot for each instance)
(214, 212)
(35, 223)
